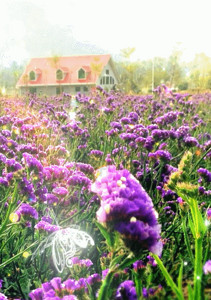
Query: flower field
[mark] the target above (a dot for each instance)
(105, 196)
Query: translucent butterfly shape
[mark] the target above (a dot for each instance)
(65, 244)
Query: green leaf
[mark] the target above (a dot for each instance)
(190, 223)
(179, 280)
(168, 277)
(190, 292)
(109, 237)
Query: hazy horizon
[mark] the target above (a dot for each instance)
(40, 28)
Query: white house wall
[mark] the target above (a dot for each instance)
(51, 90)
(111, 73)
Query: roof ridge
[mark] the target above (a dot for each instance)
(77, 55)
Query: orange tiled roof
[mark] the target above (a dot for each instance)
(45, 69)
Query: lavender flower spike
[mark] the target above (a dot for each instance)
(128, 209)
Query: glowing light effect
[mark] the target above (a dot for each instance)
(65, 243)
(207, 223)
(72, 115)
(3, 91)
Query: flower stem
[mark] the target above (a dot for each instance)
(168, 278)
(198, 268)
(187, 242)
(103, 293)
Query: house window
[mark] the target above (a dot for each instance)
(32, 90)
(77, 88)
(111, 80)
(32, 75)
(59, 90)
(107, 72)
(81, 74)
(85, 88)
(59, 75)
(107, 79)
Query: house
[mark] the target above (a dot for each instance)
(71, 74)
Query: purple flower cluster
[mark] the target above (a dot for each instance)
(163, 155)
(46, 226)
(56, 289)
(126, 290)
(26, 210)
(127, 208)
(205, 174)
(207, 267)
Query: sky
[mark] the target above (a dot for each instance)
(36, 28)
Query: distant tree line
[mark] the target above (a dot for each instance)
(143, 76)
(140, 76)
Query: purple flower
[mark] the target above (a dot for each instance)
(12, 165)
(32, 162)
(191, 141)
(96, 153)
(50, 198)
(209, 213)
(60, 191)
(93, 279)
(127, 208)
(145, 293)
(79, 179)
(36, 294)
(161, 154)
(3, 297)
(128, 136)
(138, 265)
(56, 283)
(205, 174)
(46, 226)
(116, 125)
(149, 143)
(159, 134)
(207, 267)
(126, 290)
(28, 210)
(86, 168)
(133, 116)
(3, 158)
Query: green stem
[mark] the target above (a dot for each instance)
(16, 256)
(198, 268)
(9, 210)
(105, 287)
(168, 278)
(103, 293)
(187, 242)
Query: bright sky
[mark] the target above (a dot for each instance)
(153, 27)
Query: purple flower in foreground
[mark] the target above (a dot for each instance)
(36, 294)
(3, 297)
(126, 290)
(128, 209)
(207, 267)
